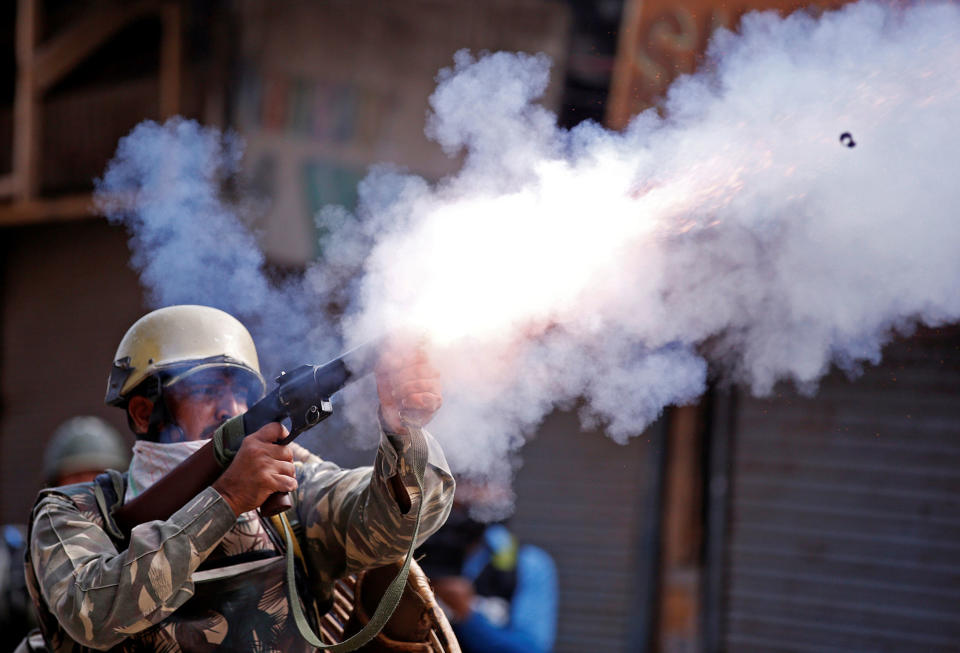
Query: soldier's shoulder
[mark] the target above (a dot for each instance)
(79, 496)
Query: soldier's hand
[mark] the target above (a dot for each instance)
(260, 468)
(408, 386)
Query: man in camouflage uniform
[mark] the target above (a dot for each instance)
(81, 448)
(211, 575)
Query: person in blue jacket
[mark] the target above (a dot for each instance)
(500, 595)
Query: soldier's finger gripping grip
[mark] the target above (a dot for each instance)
(226, 442)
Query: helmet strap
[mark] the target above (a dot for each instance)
(158, 418)
(161, 418)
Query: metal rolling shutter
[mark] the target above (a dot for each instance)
(587, 501)
(844, 530)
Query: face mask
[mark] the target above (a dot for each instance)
(153, 460)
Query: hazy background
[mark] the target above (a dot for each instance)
(795, 522)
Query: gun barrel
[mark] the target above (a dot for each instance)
(349, 367)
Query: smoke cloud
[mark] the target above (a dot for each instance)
(734, 226)
(188, 242)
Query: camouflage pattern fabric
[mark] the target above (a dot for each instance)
(158, 594)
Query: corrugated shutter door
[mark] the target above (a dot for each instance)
(845, 513)
(582, 497)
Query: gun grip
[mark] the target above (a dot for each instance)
(275, 504)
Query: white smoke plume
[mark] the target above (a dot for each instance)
(737, 226)
(189, 245)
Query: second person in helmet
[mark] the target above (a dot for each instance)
(81, 448)
(179, 373)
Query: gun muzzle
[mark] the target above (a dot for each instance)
(354, 364)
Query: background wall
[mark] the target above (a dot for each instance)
(68, 297)
(592, 504)
(843, 527)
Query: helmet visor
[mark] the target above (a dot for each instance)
(251, 382)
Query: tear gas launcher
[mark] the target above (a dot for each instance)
(301, 398)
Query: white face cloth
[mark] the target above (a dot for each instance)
(153, 460)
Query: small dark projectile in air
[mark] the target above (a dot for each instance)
(847, 139)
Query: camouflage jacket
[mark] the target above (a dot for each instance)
(90, 594)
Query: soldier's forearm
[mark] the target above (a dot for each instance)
(400, 472)
(353, 520)
(384, 531)
(400, 494)
(101, 596)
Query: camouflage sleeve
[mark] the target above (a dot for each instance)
(101, 596)
(351, 518)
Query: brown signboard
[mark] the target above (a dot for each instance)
(662, 39)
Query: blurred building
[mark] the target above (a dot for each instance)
(828, 523)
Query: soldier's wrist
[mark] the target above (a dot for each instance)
(394, 425)
(229, 499)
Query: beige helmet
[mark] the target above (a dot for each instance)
(174, 342)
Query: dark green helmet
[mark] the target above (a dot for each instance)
(83, 444)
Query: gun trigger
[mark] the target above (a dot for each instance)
(312, 416)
